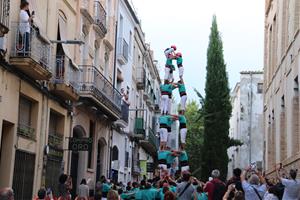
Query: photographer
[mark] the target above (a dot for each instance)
(292, 185)
(255, 188)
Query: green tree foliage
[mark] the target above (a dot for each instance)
(217, 108)
(194, 139)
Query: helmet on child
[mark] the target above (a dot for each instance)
(178, 54)
(174, 47)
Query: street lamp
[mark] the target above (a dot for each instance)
(79, 42)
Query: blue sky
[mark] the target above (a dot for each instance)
(187, 25)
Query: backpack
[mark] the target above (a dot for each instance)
(219, 191)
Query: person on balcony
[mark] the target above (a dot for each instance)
(25, 21)
(125, 96)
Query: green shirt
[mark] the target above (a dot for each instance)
(170, 158)
(139, 194)
(179, 61)
(170, 121)
(183, 156)
(163, 119)
(105, 187)
(149, 194)
(181, 88)
(169, 62)
(167, 88)
(182, 119)
(163, 155)
(160, 194)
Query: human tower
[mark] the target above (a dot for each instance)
(166, 155)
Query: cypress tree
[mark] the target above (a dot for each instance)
(217, 108)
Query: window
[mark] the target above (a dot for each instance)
(96, 58)
(25, 107)
(130, 43)
(260, 88)
(27, 118)
(121, 26)
(115, 153)
(296, 84)
(90, 153)
(106, 63)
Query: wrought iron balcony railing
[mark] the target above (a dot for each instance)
(123, 50)
(93, 82)
(55, 140)
(125, 111)
(100, 16)
(31, 45)
(139, 127)
(65, 73)
(4, 16)
(152, 138)
(140, 78)
(26, 131)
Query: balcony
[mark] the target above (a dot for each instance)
(65, 80)
(26, 131)
(94, 86)
(55, 140)
(30, 53)
(100, 19)
(123, 48)
(157, 105)
(267, 5)
(4, 17)
(140, 78)
(139, 128)
(147, 91)
(85, 10)
(136, 169)
(151, 144)
(123, 122)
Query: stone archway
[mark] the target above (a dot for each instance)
(100, 158)
(77, 160)
(115, 158)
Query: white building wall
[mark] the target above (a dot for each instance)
(246, 123)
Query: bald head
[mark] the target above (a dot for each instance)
(6, 194)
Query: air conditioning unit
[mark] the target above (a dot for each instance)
(115, 165)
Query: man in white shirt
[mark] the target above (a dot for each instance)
(255, 188)
(291, 186)
(24, 26)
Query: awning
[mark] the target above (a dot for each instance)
(63, 36)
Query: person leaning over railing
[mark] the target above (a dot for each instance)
(25, 23)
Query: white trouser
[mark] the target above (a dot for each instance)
(163, 167)
(183, 132)
(164, 103)
(181, 70)
(185, 168)
(183, 102)
(169, 106)
(163, 134)
(167, 73)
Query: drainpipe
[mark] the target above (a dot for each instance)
(70, 135)
(116, 47)
(110, 150)
(250, 120)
